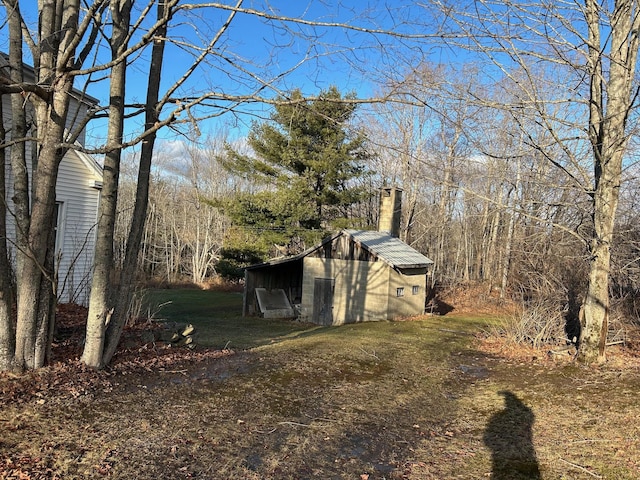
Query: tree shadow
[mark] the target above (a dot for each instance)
(572, 325)
(435, 305)
(509, 436)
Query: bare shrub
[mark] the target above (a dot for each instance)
(538, 324)
(221, 284)
(141, 309)
(621, 322)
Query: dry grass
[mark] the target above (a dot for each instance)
(413, 400)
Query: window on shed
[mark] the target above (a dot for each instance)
(415, 289)
(400, 292)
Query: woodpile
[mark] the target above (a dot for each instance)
(184, 336)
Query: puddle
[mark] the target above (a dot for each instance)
(474, 371)
(219, 369)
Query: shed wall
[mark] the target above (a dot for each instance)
(286, 276)
(360, 289)
(413, 299)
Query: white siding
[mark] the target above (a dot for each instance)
(77, 113)
(78, 196)
(78, 105)
(78, 199)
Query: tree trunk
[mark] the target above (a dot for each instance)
(594, 314)
(19, 169)
(7, 327)
(610, 104)
(508, 247)
(493, 250)
(125, 288)
(99, 301)
(34, 217)
(36, 280)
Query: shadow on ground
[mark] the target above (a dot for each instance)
(509, 437)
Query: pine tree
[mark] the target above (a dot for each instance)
(307, 161)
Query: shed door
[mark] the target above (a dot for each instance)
(323, 301)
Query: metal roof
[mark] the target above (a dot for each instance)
(390, 249)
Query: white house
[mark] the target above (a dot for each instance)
(77, 199)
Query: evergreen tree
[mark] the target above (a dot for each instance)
(307, 160)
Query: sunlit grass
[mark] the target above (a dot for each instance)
(412, 399)
(218, 318)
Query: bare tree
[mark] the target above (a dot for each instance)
(7, 333)
(489, 206)
(589, 55)
(184, 231)
(100, 309)
(184, 103)
(205, 231)
(44, 100)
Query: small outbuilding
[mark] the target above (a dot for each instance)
(352, 276)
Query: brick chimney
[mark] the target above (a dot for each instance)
(390, 211)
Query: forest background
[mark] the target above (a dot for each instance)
(510, 128)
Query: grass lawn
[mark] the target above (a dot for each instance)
(416, 399)
(218, 318)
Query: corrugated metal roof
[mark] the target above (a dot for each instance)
(390, 249)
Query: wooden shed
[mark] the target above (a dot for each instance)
(352, 276)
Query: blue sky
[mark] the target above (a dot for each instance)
(264, 57)
(258, 49)
(253, 47)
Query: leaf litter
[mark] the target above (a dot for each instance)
(309, 408)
